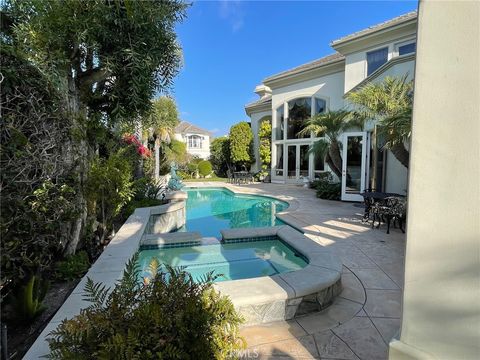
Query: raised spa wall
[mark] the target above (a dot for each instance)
(286, 295)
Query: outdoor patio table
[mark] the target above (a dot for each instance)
(370, 197)
(241, 176)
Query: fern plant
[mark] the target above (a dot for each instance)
(168, 317)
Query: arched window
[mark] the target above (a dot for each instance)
(299, 110)
(195, 142)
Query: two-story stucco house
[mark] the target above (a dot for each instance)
(290, 97)
(197, 139)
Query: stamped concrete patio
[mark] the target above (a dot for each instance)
(366, 315)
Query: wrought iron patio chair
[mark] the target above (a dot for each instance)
(388, 209)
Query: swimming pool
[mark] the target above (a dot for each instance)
(210, 210)
(231, 261)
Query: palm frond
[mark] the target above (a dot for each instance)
(320, 148)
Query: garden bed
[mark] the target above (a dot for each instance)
(21, 336)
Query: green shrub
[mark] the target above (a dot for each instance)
(27, 301)
(205, 168)
(73, 267)
(326, 188)
(241, 144)
(220, 155)
(265, 148)
(183, 175)
(134, 204)
(110, 183)
(168, 317)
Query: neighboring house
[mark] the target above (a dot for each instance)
(289, 98)
(197, 139)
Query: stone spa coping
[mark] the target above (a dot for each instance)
(278, 297)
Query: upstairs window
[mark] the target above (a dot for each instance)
(195, 142)
(299, 110)
(375, 59)
(409, 48)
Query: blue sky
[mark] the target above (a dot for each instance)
(230, 46)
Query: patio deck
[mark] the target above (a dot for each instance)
(366, 315)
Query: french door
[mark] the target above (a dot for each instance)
(297, 162)
(354, 165)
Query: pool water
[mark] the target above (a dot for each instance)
(210, 210)
(231, 261)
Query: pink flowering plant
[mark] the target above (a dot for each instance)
(142, 150)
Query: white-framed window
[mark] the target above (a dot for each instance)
(405, 47)
(376, 58)
(195, 142)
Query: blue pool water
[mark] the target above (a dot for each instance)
(231, 261)
(210, 210)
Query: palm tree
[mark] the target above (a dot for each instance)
(390, 104)
(329, 125)
(160, 124)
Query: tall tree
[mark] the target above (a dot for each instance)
(390, 104)
(109, 57)
(329, 125)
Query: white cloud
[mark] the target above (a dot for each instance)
(214, 130)
(233, 12)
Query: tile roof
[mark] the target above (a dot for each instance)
(384, 25)
(267, 99)
(308, 66)
(185, 127)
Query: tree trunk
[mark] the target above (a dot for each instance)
(336, 159)
(157, 160)
(79, 157)
(398, 150)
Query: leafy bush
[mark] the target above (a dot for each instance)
(73, 266)
(265, 149)
(110, 183)
(326, 188)
(27, 301)
(134, 204)
(241, 144)
(37, 187)
(220, 155)
(205, 168)
(168, 317)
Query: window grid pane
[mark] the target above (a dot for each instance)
(375, 59)
(407, 49)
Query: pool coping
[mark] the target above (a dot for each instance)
(110, 265)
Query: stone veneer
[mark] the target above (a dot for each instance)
(284, 296)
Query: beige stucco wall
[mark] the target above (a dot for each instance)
(441, 307)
